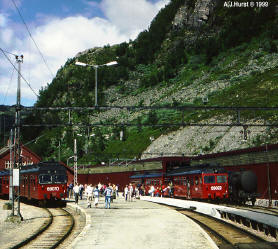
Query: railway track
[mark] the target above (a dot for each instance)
(226, 235)
(53, 233)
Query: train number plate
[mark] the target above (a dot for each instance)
(52, 188)
(216, 187)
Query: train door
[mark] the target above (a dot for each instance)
(193, 187)
(177, 187)
(29, 187)
(36, 187)
(197, 187)
(0, 185)
(23, 187)
(187, 185)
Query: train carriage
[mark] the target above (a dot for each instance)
(4, 183)
(199, 184)
(203, 183)
(147, 180)
(45, 181)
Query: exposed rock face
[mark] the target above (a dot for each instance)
(194, 16)
(194, 140)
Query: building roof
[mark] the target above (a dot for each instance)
(5, 150)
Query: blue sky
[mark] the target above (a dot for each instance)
(61, 29)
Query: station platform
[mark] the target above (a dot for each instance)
(138, 224)
(215, 210)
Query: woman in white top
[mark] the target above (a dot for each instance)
(96, 195)
(89, 192)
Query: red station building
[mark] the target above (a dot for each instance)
(28, 157)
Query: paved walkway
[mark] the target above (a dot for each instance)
(13, 233)
(139, 224)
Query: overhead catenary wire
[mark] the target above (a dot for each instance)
(41, 54)
(8, 88)
(7, 52)
(18, 72)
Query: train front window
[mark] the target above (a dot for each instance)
(45, 179)
(209, 179)
(59, 179)
(221, 179)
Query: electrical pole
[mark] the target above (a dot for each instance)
(268, 178)
(11, 190)
(17, 160)
(95, 84)
(75, 163)
(59, 150)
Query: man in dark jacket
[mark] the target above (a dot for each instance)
(108, 193)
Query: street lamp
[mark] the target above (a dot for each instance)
(69, 159)
(78, 63)
(87, 142)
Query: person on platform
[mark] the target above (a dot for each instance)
(126, 192)
(108, 193)
(81, 190)
(89, 192)
(151, 191)
(76, 193)
(70, 190)
(117, 190)
(130, 192)
(96, 195)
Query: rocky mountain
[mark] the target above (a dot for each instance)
(195, 52)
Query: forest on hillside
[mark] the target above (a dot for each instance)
(163, 55)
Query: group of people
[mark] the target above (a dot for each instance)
(109, 191)
(161, 190)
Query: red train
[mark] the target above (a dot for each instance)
(202, 183)
(45, 181)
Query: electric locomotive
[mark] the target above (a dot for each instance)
(202, 184)
(190, 183)
(42, 182)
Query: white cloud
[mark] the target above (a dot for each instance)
(2, 20)
(131, 16)
(60, 39)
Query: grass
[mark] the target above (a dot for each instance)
(248, 88)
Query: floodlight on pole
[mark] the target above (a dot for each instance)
(80, 64)
(112, 63)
